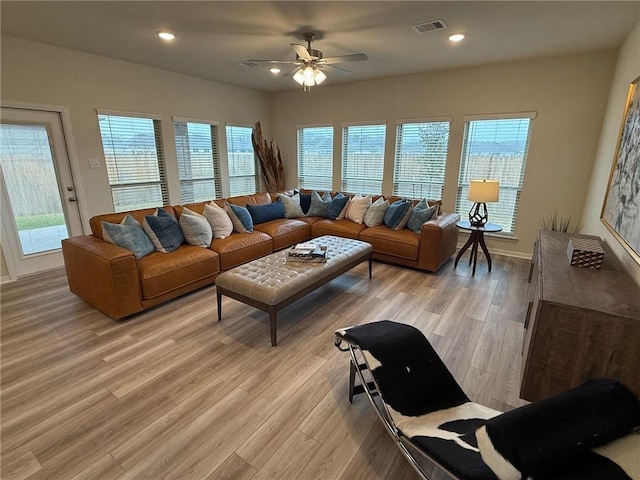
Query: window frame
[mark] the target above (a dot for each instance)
(425, 186)
(463, 185)
(160, 157)
(301, 182)
(215, 154)
(256, 164)
(344, 181)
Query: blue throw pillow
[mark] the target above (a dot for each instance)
(421, 213)
(128, 234)
(164, 231)
(336, 206)
(397, 215)
(240, 217)
(264, 213)
(305, 202)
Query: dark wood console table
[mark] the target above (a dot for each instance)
(581, 323)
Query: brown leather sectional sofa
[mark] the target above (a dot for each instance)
(110, 278)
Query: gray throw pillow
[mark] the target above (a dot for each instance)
(292, 208)
(421, 213)
(375, 213)
(196, 228)
(319, 205)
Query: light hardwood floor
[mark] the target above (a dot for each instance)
(172, 393)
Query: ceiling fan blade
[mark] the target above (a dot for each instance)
(290, 72)
(273, 61)
(356, 57)
(344, 70)
(301, 51)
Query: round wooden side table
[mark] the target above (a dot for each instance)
(476, 237)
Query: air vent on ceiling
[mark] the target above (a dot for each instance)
(247, 63)
(429, 26)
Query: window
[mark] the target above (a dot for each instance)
(315, 158)
(134, 159)
(363, 158)
(198, 161)
(495, 148)
(421, 159)
(243, 179)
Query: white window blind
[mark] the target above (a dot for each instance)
(198, 161)
(420, 159)
(363, 158)
(495, 149)
(315, 158)
(134, 159)
(243, 168)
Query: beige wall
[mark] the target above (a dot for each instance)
(40, 74)
(569, 94)
(627, 70)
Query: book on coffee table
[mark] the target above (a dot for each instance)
(307, 253)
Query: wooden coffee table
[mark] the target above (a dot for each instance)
(270, 283)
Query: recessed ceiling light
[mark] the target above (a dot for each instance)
(166, 35)
(274, 70)
(457, 37)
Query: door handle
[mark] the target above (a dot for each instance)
(73, 199)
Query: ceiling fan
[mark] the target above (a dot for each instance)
(309, 63)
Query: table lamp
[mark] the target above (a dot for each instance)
(480, 192)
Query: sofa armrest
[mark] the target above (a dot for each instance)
(438, 241)
(103, 275)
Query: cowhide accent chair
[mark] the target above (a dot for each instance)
(587, 433)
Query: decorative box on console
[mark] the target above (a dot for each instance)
(585, 252)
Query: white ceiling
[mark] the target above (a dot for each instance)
(213, 36)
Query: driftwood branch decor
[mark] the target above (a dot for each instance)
(270, 160)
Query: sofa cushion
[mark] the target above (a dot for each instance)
(398, 243)
(218, 218)
(240, 248)
(163, 230)
(319, 205)
(340, 228)
(292, 208)
(398, 214)
(421, 213)
(161, 273)
(128, 234)
(375, 212)
(264, 213)
(357, 207)
(195, 228)
(336, 206)
(285, 231)
(240, 217)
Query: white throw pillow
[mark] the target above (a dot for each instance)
(196, 228)
(292, 208)
(218, 219)
(357, 207)
(375, 213)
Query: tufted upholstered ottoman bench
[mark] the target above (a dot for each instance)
(270, 283)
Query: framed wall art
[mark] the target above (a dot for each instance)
(621, 208)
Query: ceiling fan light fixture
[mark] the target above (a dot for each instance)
(274, 70)
(298, 77)
(308, 75)
(319, 76)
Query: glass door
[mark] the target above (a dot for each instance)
(39, 206)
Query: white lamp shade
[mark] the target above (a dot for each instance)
(319, 76)
(298, 77)
(483, 191)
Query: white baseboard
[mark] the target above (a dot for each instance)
(6, 279)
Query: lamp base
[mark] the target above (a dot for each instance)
(478, 215)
